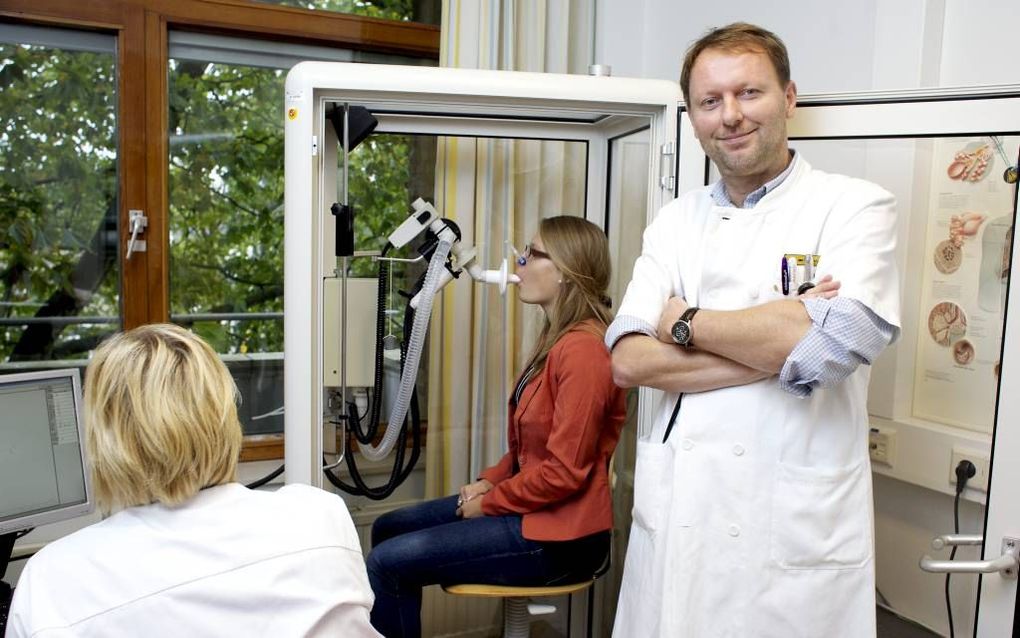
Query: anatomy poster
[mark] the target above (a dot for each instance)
(965, 271)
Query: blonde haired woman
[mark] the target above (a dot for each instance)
(541, 515)
(189, 552)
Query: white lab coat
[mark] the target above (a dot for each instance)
(755, 518)
(229, 562)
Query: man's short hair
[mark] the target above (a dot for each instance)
(160, 418)
(739, 37)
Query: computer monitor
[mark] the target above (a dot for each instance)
(43, 469)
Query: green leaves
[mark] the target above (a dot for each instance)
(226, 199)
(57, 186)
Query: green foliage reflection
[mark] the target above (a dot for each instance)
(58, 198)
(226, 199)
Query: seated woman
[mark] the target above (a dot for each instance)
(191, 552)
(542, 515)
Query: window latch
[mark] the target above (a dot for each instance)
(137, 222)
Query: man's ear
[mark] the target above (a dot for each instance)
(791, 98)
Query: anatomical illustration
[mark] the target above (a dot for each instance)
(947, 323)
(963, 352)
(949, 252)
(948, 256)
(971, 163)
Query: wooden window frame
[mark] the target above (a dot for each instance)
(142, 28)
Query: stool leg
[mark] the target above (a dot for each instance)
(516, 619)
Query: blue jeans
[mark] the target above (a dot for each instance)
(427, 544)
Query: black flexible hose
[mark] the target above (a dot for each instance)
(354, 424)
(400, 472)
(254, 485)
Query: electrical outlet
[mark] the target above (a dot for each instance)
(882, 445)
(980, 460)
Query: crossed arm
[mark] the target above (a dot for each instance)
(731, 348)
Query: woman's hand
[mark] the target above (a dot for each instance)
(472, 491)
(471, 509)
(469, 505)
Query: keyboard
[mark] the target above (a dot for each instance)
(5, 605)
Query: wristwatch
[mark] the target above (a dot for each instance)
(681, 331)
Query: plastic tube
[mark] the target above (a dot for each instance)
(417, 342)
(500, 277)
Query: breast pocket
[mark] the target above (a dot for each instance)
(653, 485)
(821, 518)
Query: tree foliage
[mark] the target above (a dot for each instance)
(59, 185)
(226, 199)
(58, 189)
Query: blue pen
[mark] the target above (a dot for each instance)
(784, 274)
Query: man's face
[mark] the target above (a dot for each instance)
(739, 111)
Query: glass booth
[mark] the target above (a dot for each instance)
(497, 151)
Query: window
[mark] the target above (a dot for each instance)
(59, 273)
(427, 11)
(225, 119)
(84, 142)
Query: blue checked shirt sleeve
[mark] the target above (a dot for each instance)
(624, 325)
(844, 334)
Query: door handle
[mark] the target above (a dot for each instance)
(957, 539)
(1006, 564)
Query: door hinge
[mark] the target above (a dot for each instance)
(315, 146)
(667, 167)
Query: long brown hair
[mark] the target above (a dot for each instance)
(580, 251)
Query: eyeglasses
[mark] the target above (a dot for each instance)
(530, 253)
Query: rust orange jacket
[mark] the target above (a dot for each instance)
(561, 435)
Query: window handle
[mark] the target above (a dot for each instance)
(137, 222)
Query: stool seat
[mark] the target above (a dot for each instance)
(507, 591)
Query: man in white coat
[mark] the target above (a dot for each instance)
(752, 500)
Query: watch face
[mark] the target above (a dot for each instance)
(681, 332)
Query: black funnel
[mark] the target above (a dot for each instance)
(360, 120)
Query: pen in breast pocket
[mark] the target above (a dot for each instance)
(784, 274)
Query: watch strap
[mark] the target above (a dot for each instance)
(686, 317)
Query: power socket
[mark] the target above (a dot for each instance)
(980, 460)
(882, 445)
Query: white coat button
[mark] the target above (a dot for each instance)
(734, 530)
(687, 444)
(738, 449)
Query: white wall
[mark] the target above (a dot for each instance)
(979, 43)
(834, 46)
(647, 38)
(841, 47)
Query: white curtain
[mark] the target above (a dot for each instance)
(496, 191)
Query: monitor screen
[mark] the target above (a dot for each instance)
(42, 457)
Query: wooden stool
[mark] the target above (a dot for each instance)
(516, 610)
